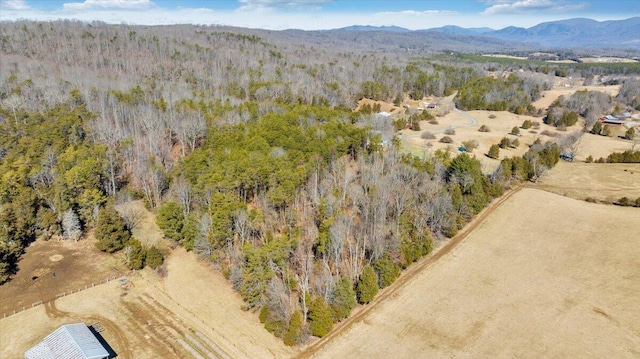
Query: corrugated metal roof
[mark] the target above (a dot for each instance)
(70, 341)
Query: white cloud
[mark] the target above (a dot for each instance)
(530, 6)
(108, 4)
(14, 5)
(417, 13)
(250, 5)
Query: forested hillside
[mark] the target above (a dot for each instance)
(248, 150)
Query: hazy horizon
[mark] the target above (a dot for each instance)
(320, 14)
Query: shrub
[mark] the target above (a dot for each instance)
(470, 145)
(597, 128)
(484, 128)
(526, 124)
(589, 159)
(450, 131)
(535, 124)
(515, 143)
(505, 143)
(494, 151)
(515, 130)
(606, 130)
(630, 133)
(446, 139)
(426, 135)
(367, 285)
(627, 156)
(624, 201)
(591, 200)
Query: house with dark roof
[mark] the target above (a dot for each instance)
(70, 341)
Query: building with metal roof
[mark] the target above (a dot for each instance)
(70, 341)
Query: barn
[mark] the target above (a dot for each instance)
(70, 341)
(611, 120)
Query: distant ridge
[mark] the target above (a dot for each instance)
(457, 30)
(576, 33)
(570, 33)
(374, 28)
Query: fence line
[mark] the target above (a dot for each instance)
(64, 294)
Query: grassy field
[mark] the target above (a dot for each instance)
(543, 276)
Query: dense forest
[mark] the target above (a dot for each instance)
(249, 151)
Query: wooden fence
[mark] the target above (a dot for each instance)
(64, 294)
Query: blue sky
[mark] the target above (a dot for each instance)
(321, 14)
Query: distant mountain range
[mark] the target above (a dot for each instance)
(571, 33)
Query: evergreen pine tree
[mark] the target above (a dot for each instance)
(170, 219)
(154, 258)
(387, 271)
(320, 318)
(136, 254)
(111, 232)
(295, 331)
(344, 299)
(494, 151)
(367, 286)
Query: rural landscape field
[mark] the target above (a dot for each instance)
(171, 187)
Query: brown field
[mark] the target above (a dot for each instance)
(602, 146)
(605, 182)
(574, 85)
(500, 127)
(192, 309)
(543, 276)
(606, 59)
(75, 264)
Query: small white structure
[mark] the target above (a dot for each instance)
(70, 341)
(384, 114)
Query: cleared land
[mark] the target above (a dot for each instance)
(466, 130)
(192, 310)
(606, 59)
(602, 146)
(561, 89)
(606, 182)
(543, 276)
(54, 267)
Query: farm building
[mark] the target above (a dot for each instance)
(70, 341)
(611, 120)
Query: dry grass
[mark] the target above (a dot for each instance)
(150, 319)
(548, 97)
(543, 276)
(606, 182)
(500, 125)
(601, 146)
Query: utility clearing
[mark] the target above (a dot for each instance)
(542, 276)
